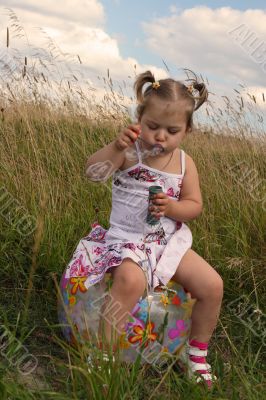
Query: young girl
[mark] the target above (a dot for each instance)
(164, 113)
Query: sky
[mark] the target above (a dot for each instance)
(223, 42)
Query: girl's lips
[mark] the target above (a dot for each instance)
(159, 146)
(157, 149)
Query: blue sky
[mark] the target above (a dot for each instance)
(116, 35)
(125, 17)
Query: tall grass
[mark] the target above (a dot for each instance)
(43, 154)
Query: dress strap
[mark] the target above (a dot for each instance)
(138, 152)
(183, 163)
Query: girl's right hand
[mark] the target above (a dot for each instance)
(127, 137)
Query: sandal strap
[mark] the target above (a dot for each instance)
(205, 367)
(207, 377)
(196, 352)
(198, 366)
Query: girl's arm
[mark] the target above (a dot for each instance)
(101, 165)
(190, 203)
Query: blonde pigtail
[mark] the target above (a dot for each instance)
(145, 77)
(200, 87)
(203, 94)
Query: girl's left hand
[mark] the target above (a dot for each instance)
(160, 203)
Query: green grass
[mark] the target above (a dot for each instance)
(43, 157)
(43, 153)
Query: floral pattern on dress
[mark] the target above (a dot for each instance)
(143, 175)
(172, 193)
(157, 236)
(78, 268)
(178, 225)
(178, 192)
(118, 182)
(143, 248)
(97, 252)
(96, 235)
(110, 255)
(130, 246)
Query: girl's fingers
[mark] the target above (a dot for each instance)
(160, 201)
(155, 208)
(122, 144)
(160, 195)
(134, 128)
(159, 204)
(131, 135)
(157, 214)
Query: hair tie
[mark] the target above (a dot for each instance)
(190, 88)
(156, 85)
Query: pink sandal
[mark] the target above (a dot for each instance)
(192, 361)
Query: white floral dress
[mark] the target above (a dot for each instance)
(156, 249)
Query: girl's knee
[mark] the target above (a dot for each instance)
(215, 287)
(210, 288)
(131, 280)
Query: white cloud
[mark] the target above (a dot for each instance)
(77, 27)
(199, 39)
(67, 30)
(86, 12)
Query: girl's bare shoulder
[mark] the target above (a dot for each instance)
(189, 162)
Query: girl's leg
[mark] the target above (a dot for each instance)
(129, 284)
(206, 285)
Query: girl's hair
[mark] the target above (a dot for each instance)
(169, 89)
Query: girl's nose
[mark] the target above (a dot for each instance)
(160, 136)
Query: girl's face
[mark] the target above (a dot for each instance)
(165, 123)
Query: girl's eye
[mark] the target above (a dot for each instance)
(154, 127)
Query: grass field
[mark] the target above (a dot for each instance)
(43, 155)
(43, 151)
